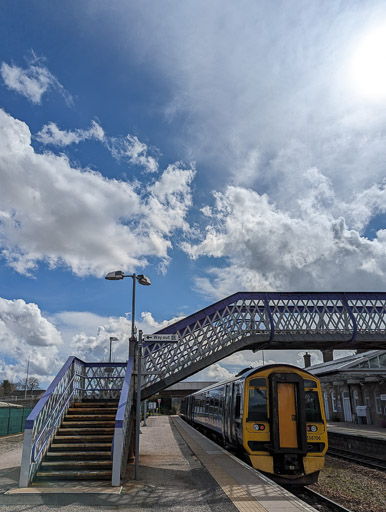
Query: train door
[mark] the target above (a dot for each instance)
(236, 411)
(227, 413)
(287, 414)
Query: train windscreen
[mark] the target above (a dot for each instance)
(313, 412)
(257, 405)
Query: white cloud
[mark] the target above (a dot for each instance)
(51, 134)
(33, 81)
(128, 148)
(76, 218)
(132, 149)
(216, 372)
(270, 249)
(24, 332)
(88, 335)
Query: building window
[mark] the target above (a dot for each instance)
(382, 360)
(356, 399)
(367, 398)
(333, 401)
(378, 405)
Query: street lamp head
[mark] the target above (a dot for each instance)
(115, 276)
(142, 279)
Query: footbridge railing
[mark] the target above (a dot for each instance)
(124, 422)
(255, 321)
(77, 380)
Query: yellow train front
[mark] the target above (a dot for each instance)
(273, 413)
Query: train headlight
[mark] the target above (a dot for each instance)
(313, 428)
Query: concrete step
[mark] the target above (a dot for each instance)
(96, 404)
(78, 455)
(92, 410)
(74, 475)
(75, 465)
(68, 431)
(87, 424)
(82, 439)
(65, 447)
(90, 417)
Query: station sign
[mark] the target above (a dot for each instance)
(161, 338)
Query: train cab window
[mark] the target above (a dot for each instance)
(257, 383)
(312, 406)
(257, 405)
(309, 383)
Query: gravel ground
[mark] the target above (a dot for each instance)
(10, 457)
(356, 487)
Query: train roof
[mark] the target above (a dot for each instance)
(250, 371)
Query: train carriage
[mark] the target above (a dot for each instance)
(273, 413)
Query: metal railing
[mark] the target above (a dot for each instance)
(123, 426)
(76, 380)
(272, 320)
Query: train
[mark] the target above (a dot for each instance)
(274, 414)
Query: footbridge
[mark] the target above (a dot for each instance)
(275, 321)
(68, 435)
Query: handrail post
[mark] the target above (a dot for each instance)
(26, 458)
(117, 457)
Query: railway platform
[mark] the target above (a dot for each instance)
(353, 429)
(180, 470)
(357, 440)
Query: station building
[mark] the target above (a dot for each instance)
(354, 387)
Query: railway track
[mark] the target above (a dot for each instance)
(370, 462)
(317, 500)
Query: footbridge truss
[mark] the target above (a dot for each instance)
(256, 321)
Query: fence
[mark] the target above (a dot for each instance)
(12, 419)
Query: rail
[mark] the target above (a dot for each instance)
(76, 380)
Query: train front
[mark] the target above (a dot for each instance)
(284, 426)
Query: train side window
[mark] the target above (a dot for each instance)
(312, 406)
(257, 405)
(309, 383)
(237, 406)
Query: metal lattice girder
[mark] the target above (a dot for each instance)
(252, 320)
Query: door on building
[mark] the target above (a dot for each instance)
(326, 408)
(347, 406)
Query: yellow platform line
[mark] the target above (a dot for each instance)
(239, 496)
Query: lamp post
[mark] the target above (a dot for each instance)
(112, 338)
(145, 281)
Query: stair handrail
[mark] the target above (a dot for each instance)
(123, 426)
(34, 457)
(41, 418)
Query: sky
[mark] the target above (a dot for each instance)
(214, 146)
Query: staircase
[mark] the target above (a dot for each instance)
(81, 448)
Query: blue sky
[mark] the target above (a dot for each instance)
(212, 146)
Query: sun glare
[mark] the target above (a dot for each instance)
(368, 65)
